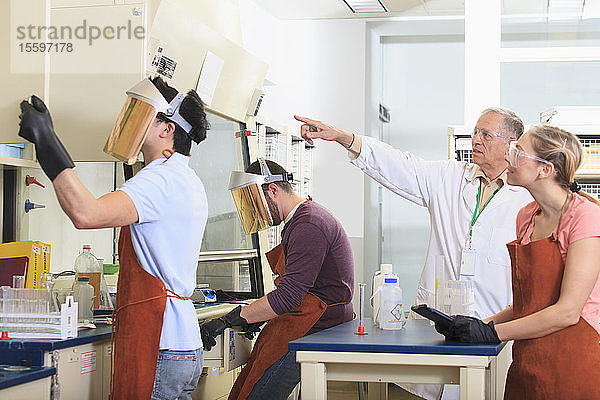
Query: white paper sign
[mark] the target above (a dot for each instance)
(209, 77)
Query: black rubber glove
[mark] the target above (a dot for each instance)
(213, 328)
(36, 126)
(469, 330)
(252, 330)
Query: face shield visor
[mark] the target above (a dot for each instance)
(249, 197)
(144, 102)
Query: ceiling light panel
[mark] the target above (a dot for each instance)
(365, 6)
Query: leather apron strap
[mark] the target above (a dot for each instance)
(564, 364)
(137, 325)
(272, 342)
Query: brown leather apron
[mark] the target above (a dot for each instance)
(272, 343)
(137, 325)
(564, 364)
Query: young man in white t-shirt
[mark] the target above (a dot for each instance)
(163, 212)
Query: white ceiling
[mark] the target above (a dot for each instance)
(323, 9)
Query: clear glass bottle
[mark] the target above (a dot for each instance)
(83, 294)
(86, 264)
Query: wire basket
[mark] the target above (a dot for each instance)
(464, 155)
(593, 189)
(31, 313)
(591, 157)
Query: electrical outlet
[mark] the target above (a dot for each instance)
(72, 355)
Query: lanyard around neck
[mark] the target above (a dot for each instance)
(477, 213)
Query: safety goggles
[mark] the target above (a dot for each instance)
(488, 135)
(144, 102)
(514, 154)
(249, 198)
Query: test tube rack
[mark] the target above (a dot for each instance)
(30, 314)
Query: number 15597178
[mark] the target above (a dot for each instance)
(58, 47)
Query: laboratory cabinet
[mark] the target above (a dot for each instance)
(38, 389)
(80, 367)
(84, 83)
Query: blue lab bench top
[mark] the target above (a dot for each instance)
(417, 337)
(10, 378)
(13, 351)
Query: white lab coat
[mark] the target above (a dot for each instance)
(449, 191)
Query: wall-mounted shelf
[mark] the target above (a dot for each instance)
(18, 162)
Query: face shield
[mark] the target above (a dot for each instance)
(249, 197)
(144, 102)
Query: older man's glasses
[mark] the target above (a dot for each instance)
(487, 136)
(515, 153)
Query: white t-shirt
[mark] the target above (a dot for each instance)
(172, 208)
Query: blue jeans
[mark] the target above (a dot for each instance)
(278, 381)
(177, 374)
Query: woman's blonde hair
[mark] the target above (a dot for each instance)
(563, 150)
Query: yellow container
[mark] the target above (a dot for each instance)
(38, 254)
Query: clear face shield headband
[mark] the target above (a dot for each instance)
(249, 197)
(515, 153)
(144, 102)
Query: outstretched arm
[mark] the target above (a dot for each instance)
(85, 211)
(313, 129)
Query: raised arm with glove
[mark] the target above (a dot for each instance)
(469, 330)
(36, 127)
(213, 328)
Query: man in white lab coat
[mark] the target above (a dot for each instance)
(472, 209)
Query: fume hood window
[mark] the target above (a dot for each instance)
(213, 160)
(229, 258)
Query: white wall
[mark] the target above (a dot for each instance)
(318, 71)
(51, 224)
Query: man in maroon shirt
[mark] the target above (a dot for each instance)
(314, 291)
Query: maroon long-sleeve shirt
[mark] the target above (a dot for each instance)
(318, 259)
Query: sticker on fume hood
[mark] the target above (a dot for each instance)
(231, 345)
(166, 66)
(155, 51)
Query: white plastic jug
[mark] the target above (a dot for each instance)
(385, 271)
(391, 315)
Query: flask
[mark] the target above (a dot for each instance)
(391, 315)
(86, 264)
(385, 271)
(83, 293)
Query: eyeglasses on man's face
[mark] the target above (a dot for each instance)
(487, 135)
(515, 153)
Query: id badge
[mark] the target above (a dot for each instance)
(467, 262)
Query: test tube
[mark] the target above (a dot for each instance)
(361, 320)
(18, 281)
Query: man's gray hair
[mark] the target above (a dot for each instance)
(511, 124)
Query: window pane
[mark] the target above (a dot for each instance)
(519, 33)
(530, 88)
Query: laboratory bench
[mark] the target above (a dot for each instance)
(414, 354)
(80, 366)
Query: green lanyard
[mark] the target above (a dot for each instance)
(477, 214)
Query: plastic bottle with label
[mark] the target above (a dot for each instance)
(385, 271)
(83, 294)
(86, 264)
(391, 315)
